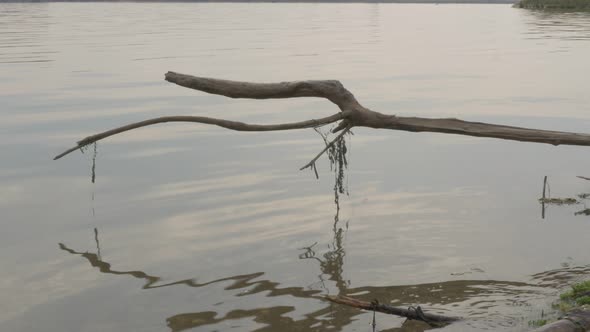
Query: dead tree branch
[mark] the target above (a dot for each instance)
(480, 129)
(233, 125)
(332, 90)
(410, 313)
(352, 114)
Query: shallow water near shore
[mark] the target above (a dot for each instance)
(192, 227)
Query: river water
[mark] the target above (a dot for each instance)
(193, 227)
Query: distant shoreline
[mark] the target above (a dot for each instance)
(554, 4)
(442, 2)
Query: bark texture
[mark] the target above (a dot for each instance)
(330, 89)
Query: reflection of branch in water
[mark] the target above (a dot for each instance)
(94, 164)
(274, 319)
(477, 297)
(93, 168)
(583, 197)
(543, 197)
(310, 254)
(105, 267)
(93, 212)
(333, 261)
(332, 265)
(97, 243)
(459, 293)
(240, 281)
(272, 316)
(585, 212)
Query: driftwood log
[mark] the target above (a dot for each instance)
(412, 313)
(352, 114)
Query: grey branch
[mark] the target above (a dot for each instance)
(480, 129)
(363, 117)
(329, 89)
(233, 125)
(352, 114)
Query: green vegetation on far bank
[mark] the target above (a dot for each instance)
(554, 4)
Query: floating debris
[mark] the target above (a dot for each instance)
(559, 201)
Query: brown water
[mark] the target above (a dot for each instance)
(196, 227)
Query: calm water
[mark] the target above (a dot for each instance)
(191, 227)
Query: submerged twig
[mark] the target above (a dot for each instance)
(543, 198)
(544, 186)
(410, 313)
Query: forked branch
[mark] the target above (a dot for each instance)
(352, 114)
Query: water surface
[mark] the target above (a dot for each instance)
(191, 227)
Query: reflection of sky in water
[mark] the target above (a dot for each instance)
(448, 222)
